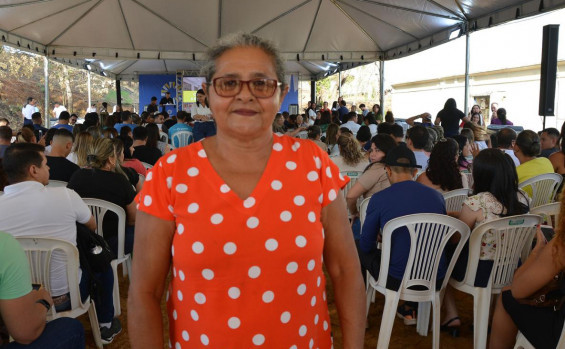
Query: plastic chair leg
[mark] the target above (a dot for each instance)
(387, 322)
(127, 268)
(423, 320)
(370, 295)
(93, 317)
(481, 312)
(436, 321)
(116, 290)
(522, 342)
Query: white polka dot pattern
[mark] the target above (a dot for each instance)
(264, 251)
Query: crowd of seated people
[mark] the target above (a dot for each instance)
(104, 159)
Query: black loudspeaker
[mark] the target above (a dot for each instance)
(548, 70)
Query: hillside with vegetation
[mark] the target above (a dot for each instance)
(22, 76)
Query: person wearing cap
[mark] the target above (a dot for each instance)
(403, 197)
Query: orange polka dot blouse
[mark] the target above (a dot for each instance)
(246, 273)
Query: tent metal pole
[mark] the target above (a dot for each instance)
(119, 94)
(382, 85)
(313, 90)
(46, 76)
(89, 94)
(339, 81)
(467, 60)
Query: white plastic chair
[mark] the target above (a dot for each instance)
(99, 208)
(544, 188)
(39, 252)
(549, 213)
(354, 176)
(54, 183)
(181, 138)
(454, 199)
(302, 135)
(513, 236)
(523, 343)
(363, 210)
(146, 165)
(429, 234)
(163, 137)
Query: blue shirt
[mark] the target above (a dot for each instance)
(65, 126)
(176, 128)
(118, 127)
(400, 199)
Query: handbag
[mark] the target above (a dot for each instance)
(94, 252)
(549, 295)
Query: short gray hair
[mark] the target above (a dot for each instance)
(234, 40)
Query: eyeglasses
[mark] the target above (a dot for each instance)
(259, 88)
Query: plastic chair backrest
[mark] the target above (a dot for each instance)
(363, 210)
(513, 237)
(163, 137)
(454, 199)
(39, 252)
(429, 234)
(470, 179)
(302, 135)
(146, 165)
(181, 138)
(549, 213)
(354, 176)
(543, 187)
(99, 208)
(54, 183)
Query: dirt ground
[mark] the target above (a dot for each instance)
(403, 337)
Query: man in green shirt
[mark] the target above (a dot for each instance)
(23, 310)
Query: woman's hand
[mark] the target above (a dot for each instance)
(540, 241)
(474, 149)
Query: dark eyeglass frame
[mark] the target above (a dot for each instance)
(241, 83)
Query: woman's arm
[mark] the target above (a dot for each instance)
(153, 239)
(539, 268)
(131, 212)
(352, 195)
(342, 263)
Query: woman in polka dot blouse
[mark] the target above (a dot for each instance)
(245, 219)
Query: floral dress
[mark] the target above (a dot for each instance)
(491, 209)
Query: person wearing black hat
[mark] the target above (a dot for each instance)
(403, 197)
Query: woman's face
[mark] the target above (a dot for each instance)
(467, 149)
(245, 115)
(299, 119)
(475, 118)
(280, 121)
(376, 154)
(201, 98)
(476, 109)
(375, 109)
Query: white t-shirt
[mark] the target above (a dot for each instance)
(28, 110)
(200, 110)
(91, 110)
(58, 110)
(513, 156)
(421, 159)
(31, 209)
(352, 125)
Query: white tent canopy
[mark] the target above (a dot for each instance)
(129, 37)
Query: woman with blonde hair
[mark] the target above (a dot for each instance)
(482, 139)
(99, 180)
(351, 157)
(26, 136)
(80, 148)
(332, 132)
